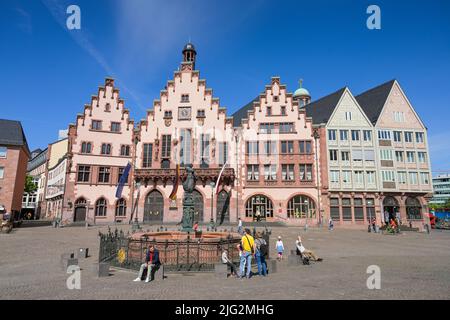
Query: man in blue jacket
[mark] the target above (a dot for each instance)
(151, 262)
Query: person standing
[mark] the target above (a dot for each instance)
(261, 253)
(280, 248)
(151, 262)
(386, 217)
(195, 227)
(330, 224)
(248, 250)
(239, 226)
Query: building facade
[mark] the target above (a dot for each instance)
(14, 155)
(33, 203)
(284, 158)
(441, 188)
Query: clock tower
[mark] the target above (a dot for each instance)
(189, 54)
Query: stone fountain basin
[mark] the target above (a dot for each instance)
(180, 236)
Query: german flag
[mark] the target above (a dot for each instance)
(173, 194)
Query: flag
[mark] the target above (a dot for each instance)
(218, 179)
(173, 194)
(123, 180)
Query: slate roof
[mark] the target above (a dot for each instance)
(242, 112)
(373, 100)
(11, 133)
(322, 109)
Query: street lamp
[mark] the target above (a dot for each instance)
(212, 184)
(308, 212)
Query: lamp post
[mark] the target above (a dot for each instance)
(308, 212)
(135, 226)
(88, 204)
(316, 138)
(212, 184)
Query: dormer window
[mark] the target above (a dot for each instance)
(184, 98)
(167, 114)
(269, 111)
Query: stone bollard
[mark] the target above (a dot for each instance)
(221, 270)
(83, 253)
(101, 269)
(271, 266)
(294, 260)
(68, 259)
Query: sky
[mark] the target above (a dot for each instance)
(48, 72)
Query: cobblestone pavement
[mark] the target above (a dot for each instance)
(413, 266)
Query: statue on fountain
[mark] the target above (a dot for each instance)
(188, 200)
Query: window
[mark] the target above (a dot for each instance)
(185, 146)
(201, 113)
(385, 154)
(166, 145)
(252, 148)
(306, 172)
(266, 127)
(2, 172)
(332, 135)
(184, 98)
(3, 152)
(270, 148)
(399, 116)
(357, 155)
(125, 150)
(287, 172)
(103, 174)
(301, 207)
(204, 149)
(121, 208)
(100, 207)
(408, 136)
(422, 157)
(359, 177)
(115, 126)
(399, 156)
(106, 148)
(286, 127)
(120, 174)
(358, 207)
(367, 135)
(355, 135)
(305, 147)
(83, 173)
(334, 208)
(253, 172)
(346, 209)
(346, 176)
(369, 155)
(167, 114)
(370, 208)
(270, 172)
(401, 177)
(147, 154)
(370, 177)
(268, 111)
(387, 176)
(413, 178)
(223, 152)
(397, 136)
(419, 137)
(96, 125)
(283, 110)
(108, 107)
(410, 156)
(334, 176)
(333, 155)
(345, 155)
(343, 135)
(287, 147)
(86, 147)
(413, 209)
(424, 178)
(384, 135)
(348, 115)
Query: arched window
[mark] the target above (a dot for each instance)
(413, 209)
(261, 204)
(121, 208)
(301, 207)
(100, 207)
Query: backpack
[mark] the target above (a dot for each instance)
(263, 249)
(305, 260)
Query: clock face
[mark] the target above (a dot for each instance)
(184, 113)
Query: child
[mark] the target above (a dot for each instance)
(280, 248)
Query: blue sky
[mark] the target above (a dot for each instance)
(48, 72)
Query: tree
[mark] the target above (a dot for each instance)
(30, 186)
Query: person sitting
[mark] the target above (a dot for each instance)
(228, 262)
(152, 263)
(305, 252)
(195, 227)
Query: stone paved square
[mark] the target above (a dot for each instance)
(413, 266)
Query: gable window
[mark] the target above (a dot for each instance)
(367, 134)
(115, 126)
(266, 127)
(348, 115)
(106, 148)
(408, 136)
(201, 113)
(166, 145)
(399, 116)
(147, 154)
(286, 127)
(125, 150)
(83, 173)
(419, 137)
(3, 152)
(184, 98)
(283, 110)
(108, 107)
(268, 111)
(332, 135)
(384, 135)
(355, 135)
(96, 125)
(86, 147)
(167, 114)
(397, 136)
(103, 174)
(343, 135)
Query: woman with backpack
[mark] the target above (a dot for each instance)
(261, 253)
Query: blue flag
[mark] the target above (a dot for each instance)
(123, 180)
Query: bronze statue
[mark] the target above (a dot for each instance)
(188, 200)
